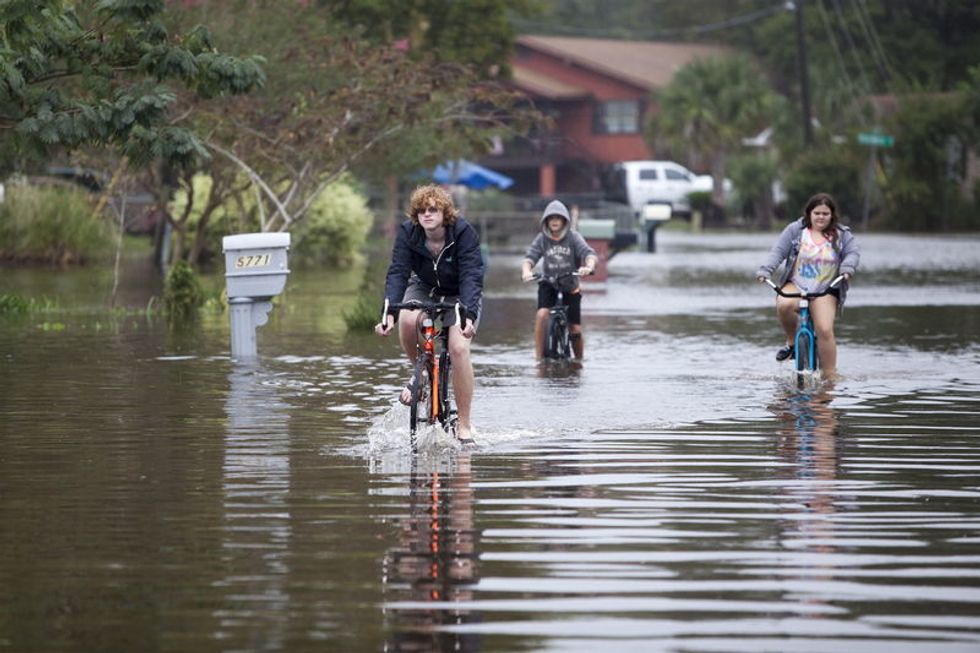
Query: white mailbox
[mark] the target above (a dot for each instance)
(655, 213)
(255, 272)
(256, 264)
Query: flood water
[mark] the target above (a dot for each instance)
(675, 492)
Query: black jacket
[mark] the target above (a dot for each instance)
(456, 271)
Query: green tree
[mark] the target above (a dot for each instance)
(98, 72)
(709, 107)
(927, 167)
(477, 33)
(753, 175)
(336, 103)
(831, 169)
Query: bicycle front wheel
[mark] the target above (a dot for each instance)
(556, 339)
(447, 413)
(418, 408)
(806, 353)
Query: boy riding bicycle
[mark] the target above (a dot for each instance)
(563, 250)
(436, 257)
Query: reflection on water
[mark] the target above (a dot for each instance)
(674, 491)
(429, 574)
(257, 531)
(810, 439)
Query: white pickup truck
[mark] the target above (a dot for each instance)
(643, 182)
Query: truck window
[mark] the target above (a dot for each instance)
(674, 175)
(649, 174)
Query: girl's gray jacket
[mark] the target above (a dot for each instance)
(787, 248)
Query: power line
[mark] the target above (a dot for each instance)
(854, 49)
(876, 48)
(848, 83)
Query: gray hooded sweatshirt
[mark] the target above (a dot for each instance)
(787, 248)
(561, 256)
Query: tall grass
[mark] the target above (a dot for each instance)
(52, 225)
(366, 311)
(15, 305)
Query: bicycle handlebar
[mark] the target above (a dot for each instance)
(428, 307)
(553, 279)
(807, 295)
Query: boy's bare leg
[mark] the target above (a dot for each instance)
(578, 344)
(540, 320)
(408, 338)
(459, 350)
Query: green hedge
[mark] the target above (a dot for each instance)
(52, 225)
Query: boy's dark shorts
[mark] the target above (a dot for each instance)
(548, 297)
(418, 290)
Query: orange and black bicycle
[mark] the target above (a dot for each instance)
(431, 401)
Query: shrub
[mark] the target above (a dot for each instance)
(700, 200)
(924, 190)
(336, 227)
(332, 232)
(182, 292)
(831, 169)
(52, 225)
(366, 311)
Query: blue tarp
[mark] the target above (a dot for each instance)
(469, 174)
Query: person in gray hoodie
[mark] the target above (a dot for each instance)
(816, 249)
(563, 250)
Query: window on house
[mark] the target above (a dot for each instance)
(617, 117)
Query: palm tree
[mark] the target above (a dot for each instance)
(709, 107)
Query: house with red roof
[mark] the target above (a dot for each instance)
(598, 95)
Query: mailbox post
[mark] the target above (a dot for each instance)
(255, 272)
(654, 214)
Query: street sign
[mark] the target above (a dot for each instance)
(876, 139)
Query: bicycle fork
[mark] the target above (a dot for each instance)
(429, 350)
(805, 330)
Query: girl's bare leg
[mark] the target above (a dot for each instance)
(823, 310)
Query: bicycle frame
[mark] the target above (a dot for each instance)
(557, 314)
(806, 356)
(806, 335)
(431, 374)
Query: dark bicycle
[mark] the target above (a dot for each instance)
(805, 340)
(431, 401)
(557, 343)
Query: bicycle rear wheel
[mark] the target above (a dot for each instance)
(418, 408)
(447, 412)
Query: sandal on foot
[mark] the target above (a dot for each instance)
(465, 441)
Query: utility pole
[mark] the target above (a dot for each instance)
(804, 72)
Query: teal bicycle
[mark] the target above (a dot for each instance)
(805, 339)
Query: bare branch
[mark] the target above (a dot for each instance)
(253, 175)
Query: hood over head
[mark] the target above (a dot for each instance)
(555, 208)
